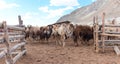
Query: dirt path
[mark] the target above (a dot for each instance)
(38, 53)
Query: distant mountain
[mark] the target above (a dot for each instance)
(84, 15)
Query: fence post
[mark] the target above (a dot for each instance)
(8, 56)
(103, 32)
(20, 20)
(97, 44)
(94, 32)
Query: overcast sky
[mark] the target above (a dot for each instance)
(38, 12)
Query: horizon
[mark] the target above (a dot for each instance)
(38, 12)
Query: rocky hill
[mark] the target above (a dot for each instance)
(84, 15)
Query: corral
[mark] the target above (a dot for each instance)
(47, 52)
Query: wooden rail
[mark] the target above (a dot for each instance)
(10, 33)
(108, 32)
(19, 55)
(104, 34)
(15, 28)
(111, 25)
(2, 54)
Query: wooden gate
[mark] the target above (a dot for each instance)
(100, 40)
(13, 39)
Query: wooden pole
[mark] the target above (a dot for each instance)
(97, 44)
(117, 50)
(17, 46)
(19, 55)
(94, 32)
(2, 54)
(8, 56)
(20, 20)
(103, 32)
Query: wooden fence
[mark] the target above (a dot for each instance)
(12, 52)
(100, 40)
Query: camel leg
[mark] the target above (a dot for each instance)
(63, 39)
(57, 41)
(75, 41)
(63, 44)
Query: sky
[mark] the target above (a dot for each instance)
(38, 12)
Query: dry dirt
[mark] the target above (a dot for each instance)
(43, 53)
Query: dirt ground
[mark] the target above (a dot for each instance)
(43, 53)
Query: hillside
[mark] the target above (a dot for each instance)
(85, 14)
